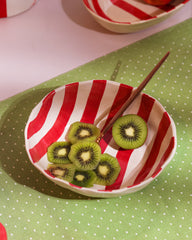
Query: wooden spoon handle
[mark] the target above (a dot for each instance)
(134, 94)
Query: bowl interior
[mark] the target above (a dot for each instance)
(96, 101)
(129, 11)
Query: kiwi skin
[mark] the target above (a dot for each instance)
(107, 170)
(84, 178)
(129, 131)
(85, 155)
(62, 171)
(80, 131)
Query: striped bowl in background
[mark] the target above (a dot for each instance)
(124, 16)
(96, 102)
(10, 8)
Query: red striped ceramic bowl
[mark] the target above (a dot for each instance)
(10, 8)
(96, 101)
(124, 16)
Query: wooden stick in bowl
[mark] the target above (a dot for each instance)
(134, 94)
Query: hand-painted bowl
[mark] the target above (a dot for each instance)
(10, 8)
(96, 102)
(124, 16)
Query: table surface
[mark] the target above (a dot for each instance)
(32, 207)
(54, 37)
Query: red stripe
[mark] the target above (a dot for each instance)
(39, 150)
(165, 156)
(3, 9)
(156, 173)
(145, 107)
(94, 100)
(37, 123)
(162, 130)
(86, 2)
(122, 95)
(131, 9)
(105, 140)
(123, 156)
(100, 11)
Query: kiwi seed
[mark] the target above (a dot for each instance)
(129, 131)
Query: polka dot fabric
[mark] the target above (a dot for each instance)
(32, 207)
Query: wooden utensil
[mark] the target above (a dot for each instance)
(134, 94)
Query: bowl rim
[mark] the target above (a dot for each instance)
(161, 15)
(93, 192)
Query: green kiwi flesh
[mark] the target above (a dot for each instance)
(84, 178)
(107, 170)
(85, 155)
(62, 171)
(58, 152)
(80, 131)
(129, 131)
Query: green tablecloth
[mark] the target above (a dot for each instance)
(32, 207)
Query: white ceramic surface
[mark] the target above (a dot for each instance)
(96, 101)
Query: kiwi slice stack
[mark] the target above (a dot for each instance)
(129, 131)
(80, 131)
(79, 160)
(58, 152)
(107, 170)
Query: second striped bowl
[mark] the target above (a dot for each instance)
(96, 102)
(124, 16)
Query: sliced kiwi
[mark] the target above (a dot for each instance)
(58, 152)
(107, 170)
(84, 178)
(85, 155)
(62, 171)
(80, 131)
(129, 131)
